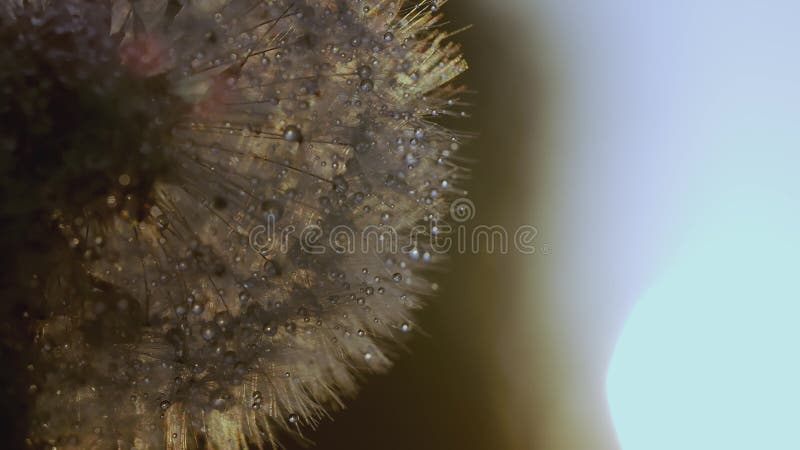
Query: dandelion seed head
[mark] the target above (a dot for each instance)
(162, 324)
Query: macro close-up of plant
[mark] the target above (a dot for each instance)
(173, 176)
(399, 225)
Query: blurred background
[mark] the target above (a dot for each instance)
(652, 144)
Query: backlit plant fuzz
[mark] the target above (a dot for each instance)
(156, 321)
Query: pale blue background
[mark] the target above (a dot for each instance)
(672, 180)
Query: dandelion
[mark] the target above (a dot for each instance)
(143, 142)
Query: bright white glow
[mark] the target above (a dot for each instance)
(681, 128)
(710, 357)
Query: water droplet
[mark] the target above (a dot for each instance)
(292, 134)
(197, 308)
(270, 268)
(340, 184)
(209, 332)
(388, 36)
(223, 319)
(219, 401)
(366, 85)
(364, 72)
